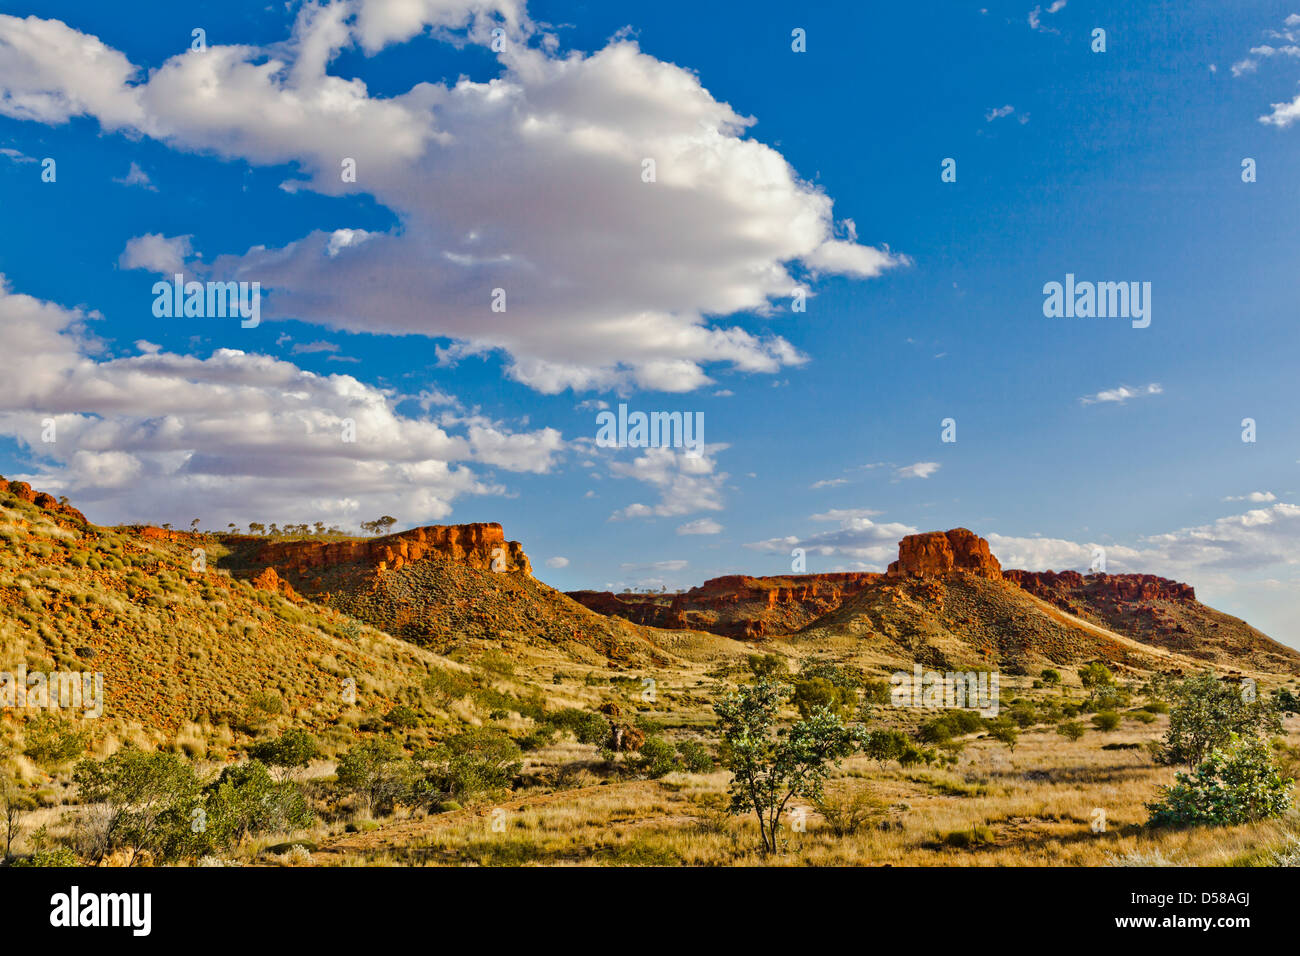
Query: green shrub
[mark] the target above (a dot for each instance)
(883, 746)
(378, 773)
(293, 749)
(150, 804)
(479, 761)
(813, 693)
(1105, 721)
(657, 757)
(1238, 783)
(1004, 731)
(586, 726)
(446, 686)
(875, 691)
(51, 741)
(1095, 675)
(539, 737)
(1207, 712)
(245, 801)
(1022, 713)
(695, 757)
(402, 717)
(56, 856)
(1051, 676)
(952, 724)
(766, 666)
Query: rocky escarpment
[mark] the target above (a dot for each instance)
(735, 605)
(950, 586)
(22, 490)
(1058, 586)
(937, 553)
(482, 546)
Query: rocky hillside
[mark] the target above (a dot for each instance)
(967, 620)
(736, 606)
(444, 587)
(178, 641)
(1159, 612)
(947, 598)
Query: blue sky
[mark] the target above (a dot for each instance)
(521, 169)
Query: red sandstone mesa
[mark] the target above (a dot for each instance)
(748, 607)
(944, 552)
(474, 545)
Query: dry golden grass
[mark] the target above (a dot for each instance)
(1036, 806)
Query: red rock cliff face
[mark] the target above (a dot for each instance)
(1050, 585)
(22, 490)
(945, 552)
(475, 545)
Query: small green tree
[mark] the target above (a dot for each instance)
(812, 693)
(402, 717)
(1238, 783)
(1006, 731)
(1095, 675)
(883, 746)
(378, 772)
(1051, 677)
(695, 757)
(292, 751)
(1206, 712)
(1071, 730)
(769, 767)
(14, 802)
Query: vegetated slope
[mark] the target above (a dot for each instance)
(966, 620)
(1161, 613)
(737, 606)
(447, 595)
(175, 645)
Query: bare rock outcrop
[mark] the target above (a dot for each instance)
(937, 553)
(483, 546)
(24, 491)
